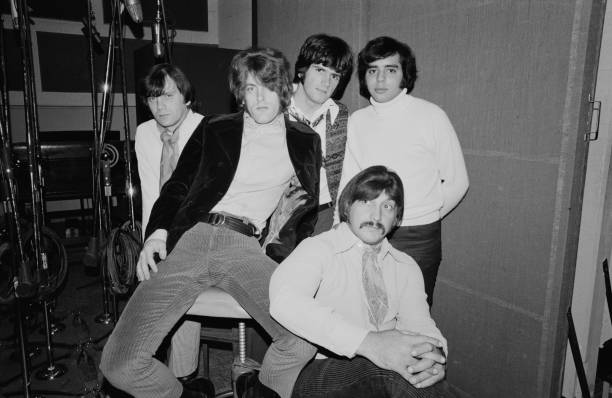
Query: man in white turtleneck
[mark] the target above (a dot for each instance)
(414, 138)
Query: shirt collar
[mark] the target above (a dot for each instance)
(177, 132)
(344, 239)
(330, 105)
(252, 125)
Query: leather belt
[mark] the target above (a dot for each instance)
(325, 206)
(229, 222)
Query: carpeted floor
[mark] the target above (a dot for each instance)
(77, 347)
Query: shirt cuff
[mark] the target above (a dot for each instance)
(160, 234)
(351, 341)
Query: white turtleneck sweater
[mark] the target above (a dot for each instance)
(414, 138)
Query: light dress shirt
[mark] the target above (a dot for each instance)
(414, 138)
(320, 128)
(317, 292)
(148, 147)
(263, 172)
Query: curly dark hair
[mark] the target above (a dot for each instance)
(383, 47)
(329, 51)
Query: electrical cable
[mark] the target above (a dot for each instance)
(121, 256)
(56, 259)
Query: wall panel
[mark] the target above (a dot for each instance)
(510, 75)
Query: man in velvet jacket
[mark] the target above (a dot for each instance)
(236, 172)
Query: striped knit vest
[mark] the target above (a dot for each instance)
(335, 145)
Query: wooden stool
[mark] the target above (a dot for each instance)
(217, 303)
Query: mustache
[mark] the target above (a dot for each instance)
(374, 225)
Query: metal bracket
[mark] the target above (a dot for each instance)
(593, 135)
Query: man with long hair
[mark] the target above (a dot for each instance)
(233, 174)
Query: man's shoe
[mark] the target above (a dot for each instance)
(249, 386)
(197, 387)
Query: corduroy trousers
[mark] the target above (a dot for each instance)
(205, 256)
(359, 378)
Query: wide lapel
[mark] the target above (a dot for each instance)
(223, 148)
(299, 145)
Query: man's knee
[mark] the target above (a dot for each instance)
(298, 347)
(118, 367)
(396, 386)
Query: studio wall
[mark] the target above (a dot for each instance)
(510, 75)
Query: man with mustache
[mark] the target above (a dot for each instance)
(363, 302)
(416, 139)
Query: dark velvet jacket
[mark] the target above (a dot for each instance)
(207, 167)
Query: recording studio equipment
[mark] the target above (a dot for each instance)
(102, 223)
(35, 271)
(134, 8)
(95, 35)
(67, 166)
(19, 11)
(158, 50)
(4, 92)
(25, 285)
(31, 116)
(14, 15)
(10, 208)
(106, 316)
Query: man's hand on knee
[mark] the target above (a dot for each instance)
(429, 368)
(394, 350)
(146, 260)
(429, 376)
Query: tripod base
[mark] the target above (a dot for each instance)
(51, 372)
(54, 328)
(104, 318)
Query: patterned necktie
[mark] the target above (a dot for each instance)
(299, 117)
(374, 286)
(169, 156)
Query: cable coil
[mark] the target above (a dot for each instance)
(121, 256)
(48, 282)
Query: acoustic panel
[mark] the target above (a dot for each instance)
(205, 66)
(64, 64)
(184, 14)
(67, 10)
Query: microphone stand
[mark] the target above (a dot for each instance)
(115, 45)
(161, 17)
(14, 228)
(41, 270)
(94, 100)
(102, 215)
(127, 150)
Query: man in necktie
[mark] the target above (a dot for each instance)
(363, 302)
(206, 229)
(415, 138)
(322, 71)
(169, 157)
(170, 97)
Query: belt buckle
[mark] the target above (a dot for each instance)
(217, 219)
(254, 232)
